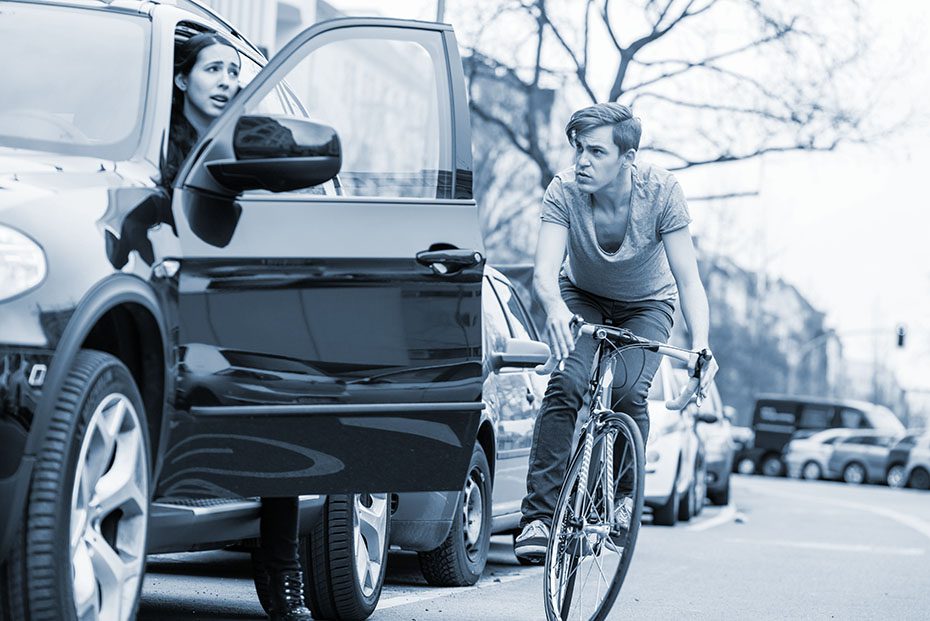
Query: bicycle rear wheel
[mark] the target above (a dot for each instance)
(588, 556)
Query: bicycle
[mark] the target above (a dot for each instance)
(589, 526)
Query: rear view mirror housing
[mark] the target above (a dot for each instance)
(708, 418)
(520, 353)
(279, 154)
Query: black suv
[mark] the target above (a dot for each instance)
(299, 314)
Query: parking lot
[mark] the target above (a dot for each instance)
(838, 552)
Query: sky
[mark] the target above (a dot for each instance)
(850, 228)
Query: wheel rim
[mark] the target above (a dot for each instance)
(811, 471)
(582, 557)
(473, 514)
(370, 530)
(854, 474)
(747, 466)
(896, 476)
(700, 490)
(771, 467)
(109, 512)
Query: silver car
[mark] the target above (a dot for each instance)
(807, 458)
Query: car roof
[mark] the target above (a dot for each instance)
(785, 398)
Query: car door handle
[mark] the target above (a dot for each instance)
(450, 260)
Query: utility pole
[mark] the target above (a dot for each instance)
(440, 10)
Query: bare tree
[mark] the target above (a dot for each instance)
(717, 80)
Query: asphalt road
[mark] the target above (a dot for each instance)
(783, 550)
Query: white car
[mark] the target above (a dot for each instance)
(674, 453)
(806, 458)
(917, 471)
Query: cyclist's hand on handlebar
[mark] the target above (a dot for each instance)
(701, 370)
(559, 332)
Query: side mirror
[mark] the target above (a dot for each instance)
(707, 418)
(279, 154)
(521, 353)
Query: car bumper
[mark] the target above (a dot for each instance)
(422, 520)
(662, 458)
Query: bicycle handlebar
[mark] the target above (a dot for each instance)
(624, 338)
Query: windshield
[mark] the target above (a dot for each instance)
(883, 418)
(73, 80)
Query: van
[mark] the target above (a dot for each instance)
(779, 418)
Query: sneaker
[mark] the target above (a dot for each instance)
(530, 544)
(623, 515)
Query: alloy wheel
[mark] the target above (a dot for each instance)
(811, 471)
(109, 512)
(854, 474)
(896, 476)
(370, 530)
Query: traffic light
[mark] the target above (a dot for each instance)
(901, 332)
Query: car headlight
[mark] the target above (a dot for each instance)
(22, 263)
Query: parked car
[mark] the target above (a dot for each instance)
(897, 460)
(717, 440)
(807, 457)
(451, 531)
(743, 439)
(860, 457)
(917, 471)
(676, 467)
(299, 315)
(778, 418)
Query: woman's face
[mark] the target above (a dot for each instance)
(213, 80)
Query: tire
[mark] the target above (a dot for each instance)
(811, 471)
(352, 526)
(920, 479)
(667, 514)
(772, 466)
(686, 503)
(855, 473)
(700, 488)
(895, 476)
(612, 552)
(461, 558)
(91, 486)
(720, 497)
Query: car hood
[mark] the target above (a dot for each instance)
(30, 175)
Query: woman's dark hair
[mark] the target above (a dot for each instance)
(181, 134)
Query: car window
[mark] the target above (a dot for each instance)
(496, 330)
(832, 440)
(780, 413)
(851, 419)
(815, 417)
(388, 99)
(73, 80)
(520, 323)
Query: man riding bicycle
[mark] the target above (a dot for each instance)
(624, 227)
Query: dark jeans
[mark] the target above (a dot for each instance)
(555, 426)
(279, 534)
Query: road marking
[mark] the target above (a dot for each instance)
(726, 515)
(910, 521)
(427, 595)
(831, 547)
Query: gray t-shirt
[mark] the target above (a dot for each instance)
(639, 269)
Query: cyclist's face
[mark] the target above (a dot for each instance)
(598, 160)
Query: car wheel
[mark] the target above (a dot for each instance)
(700, 491)
(461, 558)
(345, 556)
(854, 474)
(772, 466)
(811, 471)
(746, 466)
(667, 514)
(80, 552)
(686, 503)
(920, 479)
(895, 476)
(720, 497)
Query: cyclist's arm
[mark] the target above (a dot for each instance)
(682, 259)
(550, 252)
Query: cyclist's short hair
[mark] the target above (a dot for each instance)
(627, 128)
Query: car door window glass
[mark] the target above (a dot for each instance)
(815, 417)
(520, 323)
(851, 418)
(496, 330)
(387, 96)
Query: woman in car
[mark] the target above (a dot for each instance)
(206, 78)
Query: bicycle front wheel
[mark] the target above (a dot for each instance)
(595, 525)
